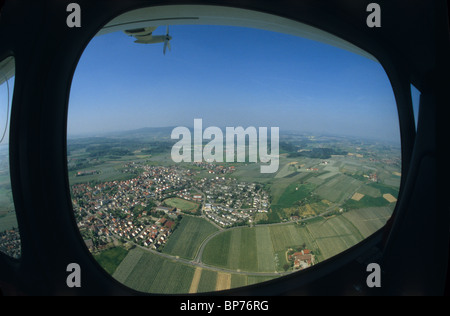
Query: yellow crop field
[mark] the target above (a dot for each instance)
(357, 196)
(195, 280)
(389, 198)
(223, 281)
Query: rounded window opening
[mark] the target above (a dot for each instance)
(207, 156)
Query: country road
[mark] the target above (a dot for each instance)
(197, 260)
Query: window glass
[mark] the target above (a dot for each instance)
(9, 231)
(415, 95)
(226, 156)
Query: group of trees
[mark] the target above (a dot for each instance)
(99, 151)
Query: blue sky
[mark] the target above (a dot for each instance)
(229, 76)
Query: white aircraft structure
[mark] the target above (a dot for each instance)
(145, 36)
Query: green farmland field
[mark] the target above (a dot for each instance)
(207, 281)
(146, 272)
(293, 193)
(334, 235)
(338, 188)
(233, 249)
(107, 171)
(255, 249)
(188, 236)
(374, 197)
(182, 204)
(111, 258)
(369, 220)
(244, 249)
(263, 248)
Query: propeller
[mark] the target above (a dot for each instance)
(167, 40)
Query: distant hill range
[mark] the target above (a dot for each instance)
(159, 133)
(144, 134)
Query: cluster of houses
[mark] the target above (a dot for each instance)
(224, 216)
(105, 226)
(154, 183)
(215, 168)
(117, 209)
(230, 193)
(229, 202)
(156, 235)
(188, 195)
(372, 177)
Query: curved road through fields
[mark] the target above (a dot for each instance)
(197, 261)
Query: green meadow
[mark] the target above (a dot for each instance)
(181, 204)
(255, 249)
(187, 238)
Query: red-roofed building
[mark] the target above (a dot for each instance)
(302, 259)
(169, 224)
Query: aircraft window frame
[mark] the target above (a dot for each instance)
(46, 64)
(367, 55)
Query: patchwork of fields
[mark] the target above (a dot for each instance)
(323, 205)
(148, 272)
(241, 256)
(311, 186)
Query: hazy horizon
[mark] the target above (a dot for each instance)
(283, 133)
